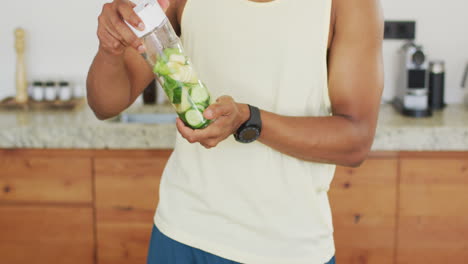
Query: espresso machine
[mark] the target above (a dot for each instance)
(413, 85)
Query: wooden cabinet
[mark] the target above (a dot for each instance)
(129, 182)
(433, 218)
(127, 191)
(45, 179)
(364, 202)
(97, 207)
(46, 234)
(46, 213)
(123, 235)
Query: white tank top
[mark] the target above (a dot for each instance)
(247, 202)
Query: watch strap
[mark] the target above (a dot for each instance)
(253, 121)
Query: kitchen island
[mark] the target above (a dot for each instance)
(77, 190)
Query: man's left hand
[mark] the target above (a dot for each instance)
(227, 116)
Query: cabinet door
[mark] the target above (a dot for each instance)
(48, 179)
(363, 203)
(127, 192)
(433, 218)
(45, 235)
(123, 235)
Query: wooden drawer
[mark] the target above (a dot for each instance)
(123, 235)
(433, 220)
(48, 179)
(364, 203)
(129, 182)
(45, 235)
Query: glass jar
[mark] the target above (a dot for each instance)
(50, 91)
(65, 91)
(37, 91)
(172, 68)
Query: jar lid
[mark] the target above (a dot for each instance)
(50, 83)
(64, 83)
(37, 83)
(151, 14)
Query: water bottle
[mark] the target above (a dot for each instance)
(172, 68)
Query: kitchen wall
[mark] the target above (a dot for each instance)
(441, 29)
(62, 41)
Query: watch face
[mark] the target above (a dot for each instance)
(249, 134)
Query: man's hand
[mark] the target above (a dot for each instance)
(114, 35)
(118, 74)
(227, 116)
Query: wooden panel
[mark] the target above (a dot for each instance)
(44, 235)
(128, 182)
(123, 235)
(127, 191)
(433, 221)
(363, 203)
(45, 179)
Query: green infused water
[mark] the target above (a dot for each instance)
(185, 91)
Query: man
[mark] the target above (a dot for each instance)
(311, 72)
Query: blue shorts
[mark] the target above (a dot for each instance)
(164, 250)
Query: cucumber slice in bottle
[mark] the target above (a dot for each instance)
(194, 118)
(182, 117)
(201, 107)
(207, 102)
(170, 51)
(185, 103)
(161, 68)
(199, 94)
(177, 96)
(177, 58)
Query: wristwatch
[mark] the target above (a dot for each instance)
(251, 129)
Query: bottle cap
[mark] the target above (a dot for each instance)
(151, 14)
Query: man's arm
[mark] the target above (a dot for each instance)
(118, 73)
(355, 87)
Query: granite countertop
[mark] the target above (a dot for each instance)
(446, 130)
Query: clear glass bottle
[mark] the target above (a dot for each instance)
(173, 69)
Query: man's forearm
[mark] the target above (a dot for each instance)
(108, 85)
(333, 139)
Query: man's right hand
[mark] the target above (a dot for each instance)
(113, 33)
(118, 74)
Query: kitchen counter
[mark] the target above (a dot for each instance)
(82, 130)
(447, 131)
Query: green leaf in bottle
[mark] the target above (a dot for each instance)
(161, 68)
(177, 97)
(170, 51)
